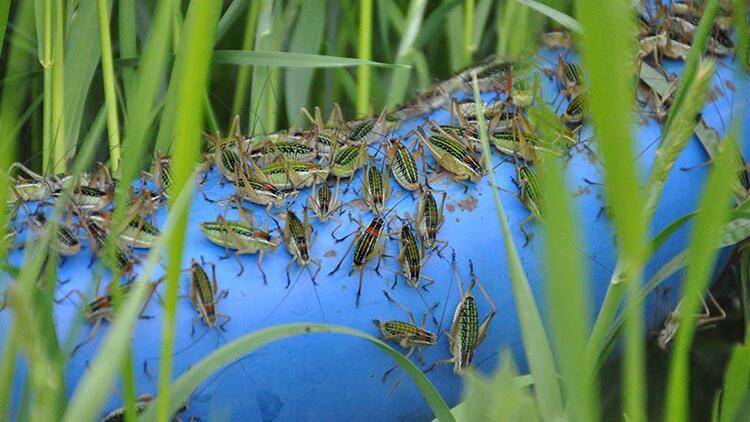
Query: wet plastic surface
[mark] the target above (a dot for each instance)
(334, 377)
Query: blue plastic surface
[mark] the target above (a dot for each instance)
(334, 377)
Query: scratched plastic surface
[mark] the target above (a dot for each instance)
(335, 377)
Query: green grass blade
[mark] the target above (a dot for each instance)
(435, 23)
(191, 76)
(364, 52)
(483, 11)
(243, 75)
(307, 37)
(674, 141)
(468, 31)
(230, 16)
(702, 252)
(453, 31)
(184, 386)
(554, 14)
(4, 11)
(82, 55)
(511, 43)
(261, 80)
(110, 94)
(290, 60)
(735, 387)
(535, 342)
(400, 77)
(94, 388)
(567, 295)
(607, 51)
(127, 30)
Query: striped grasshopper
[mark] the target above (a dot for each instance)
(136, 232)
(102, 307)
(323, 203)
(66, 243)
(297, 239)
(430, 218)
(117, 257)
(530, 195)
(408, 335)
(451, 154)
(368, 243)
(33, 187)
(575, 111)
(329, 136)
(204, 296)
(411, 257)
(467, 333)
(569, 76)
(376, 187)
(290, 175)
(367, 131)
(403, 165)
(243, 238)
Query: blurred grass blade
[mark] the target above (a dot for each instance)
(400, 76)
(511, 42)
(554, 14)
(81, 61)
(702, 252)
(230, 16)
(4, 12)
(306, 38)
(286, 59)
(483, 11)
(435, 23)
(671, 146)
(94, 388)
(607, 50)
(567, 294)
(110, 94)
(127, 31)
(261, 80)
(364, 52)
(501, 397)
(198, 373)
(191, 78)
(735, 388)
(535, 342)
(743, 35)
(243, 74)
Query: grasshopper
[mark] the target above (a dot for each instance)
(101, 307)
(367, 244)
(704, 320)
(367, 131)
(137, 232)
(243, 238)
(430, 218)
(35, 188)
(204, 296)
(118, 257)
(66, 243)
(297, 239)
(89, 199)
(529, 195)
(329, 136)
(452, 155)
(515, 144)
(411, 257)
(575, 111)
(347, 160)
(568, 75)
(290, 175)
(408, 335)
(323, 203)
(161, 175)
(376, 187)
(467, 333)
(283, 151)
(403, 165)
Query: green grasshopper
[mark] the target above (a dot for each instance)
(136, 233)
(516, 144)
(430, 218)
(204, 296)
(411, 257)
(269, 152)
(241, 237)
(118, 258)
(161, 175)
(297, 239)
(452, 155)
(367, 131)
(569, 76)
(403, 165)
(347, 160)
(323, 203)
(34, 188)
(329, 136)
(529, 195)
(291, 175)
(376, 187)
(408, 335)
(467, 333)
